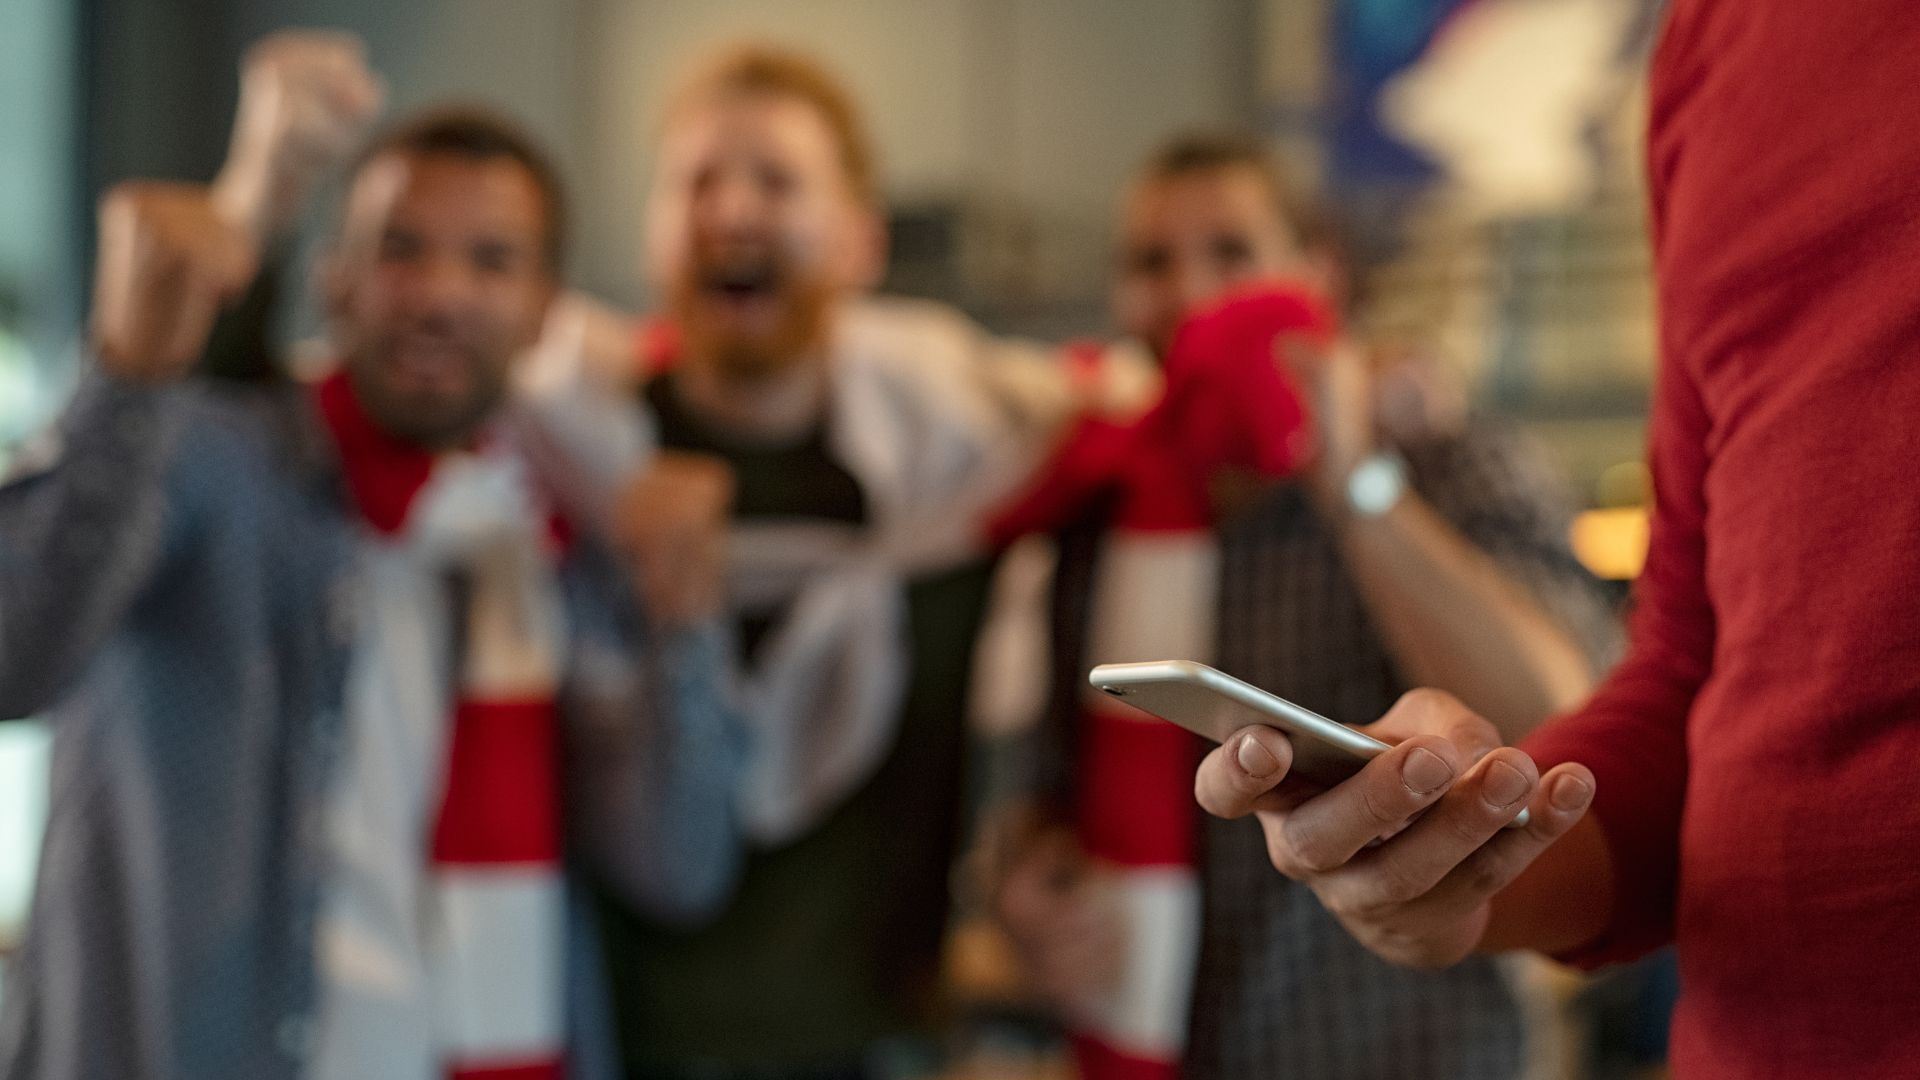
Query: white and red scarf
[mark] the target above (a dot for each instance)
(441, 936)
(1227, 405)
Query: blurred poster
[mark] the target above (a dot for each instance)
(1373, 41)
(1507, 97)
(1496, 98)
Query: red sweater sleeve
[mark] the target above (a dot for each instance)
(1632, 732)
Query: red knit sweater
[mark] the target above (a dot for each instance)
(1759, 751)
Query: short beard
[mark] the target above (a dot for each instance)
(443, 427)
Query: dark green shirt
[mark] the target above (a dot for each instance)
(832, 941)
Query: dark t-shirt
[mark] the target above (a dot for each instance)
(832, 941)
(796, 481)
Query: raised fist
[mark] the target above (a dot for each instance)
(168, 262)
(672, 526)
(306, 98)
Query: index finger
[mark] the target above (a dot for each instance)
(1239, 776)
(1324, 832)
(351, 90)
(305, 47)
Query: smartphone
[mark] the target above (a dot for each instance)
(1214, 705)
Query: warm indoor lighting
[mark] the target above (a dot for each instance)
(1612, 543)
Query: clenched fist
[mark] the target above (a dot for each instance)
(168, 262)
(306, 98)
(672, 525)
(1040, 887)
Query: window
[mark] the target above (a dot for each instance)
(40, 240)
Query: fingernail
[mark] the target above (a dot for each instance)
(1424, 772)
(1504, 786)
(1257, 760)
(1570, 793)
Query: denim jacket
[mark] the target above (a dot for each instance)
(174, 597)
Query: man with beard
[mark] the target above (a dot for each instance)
(813, 468)
(334, 679)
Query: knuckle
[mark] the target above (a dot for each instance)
(1481, 877)
(1471, 829)
(1306, 859)
(1395, 885)
(1425, 701)
(1349, 907)
(1283, 856)
(1385, 803)
(1361, 909)
(1473, 731)
(1411, 948)
(1424, 697)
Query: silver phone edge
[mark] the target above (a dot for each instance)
(1325, 728)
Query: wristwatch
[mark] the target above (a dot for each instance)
(1377, 484)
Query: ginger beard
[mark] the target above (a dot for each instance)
(756, 232)
(751, 313)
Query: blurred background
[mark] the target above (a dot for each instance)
(1482, 158)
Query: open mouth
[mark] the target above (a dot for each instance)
(742, 282)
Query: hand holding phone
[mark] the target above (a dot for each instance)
(1214, 705)
(1410, 852)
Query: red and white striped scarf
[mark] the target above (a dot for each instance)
(1227, 404)
(458, 896)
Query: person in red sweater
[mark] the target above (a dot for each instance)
(1749, 766)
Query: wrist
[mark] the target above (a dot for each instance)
(1362, 488)
(255, 198)
(239, 195)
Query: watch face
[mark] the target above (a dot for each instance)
(1375, 485)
